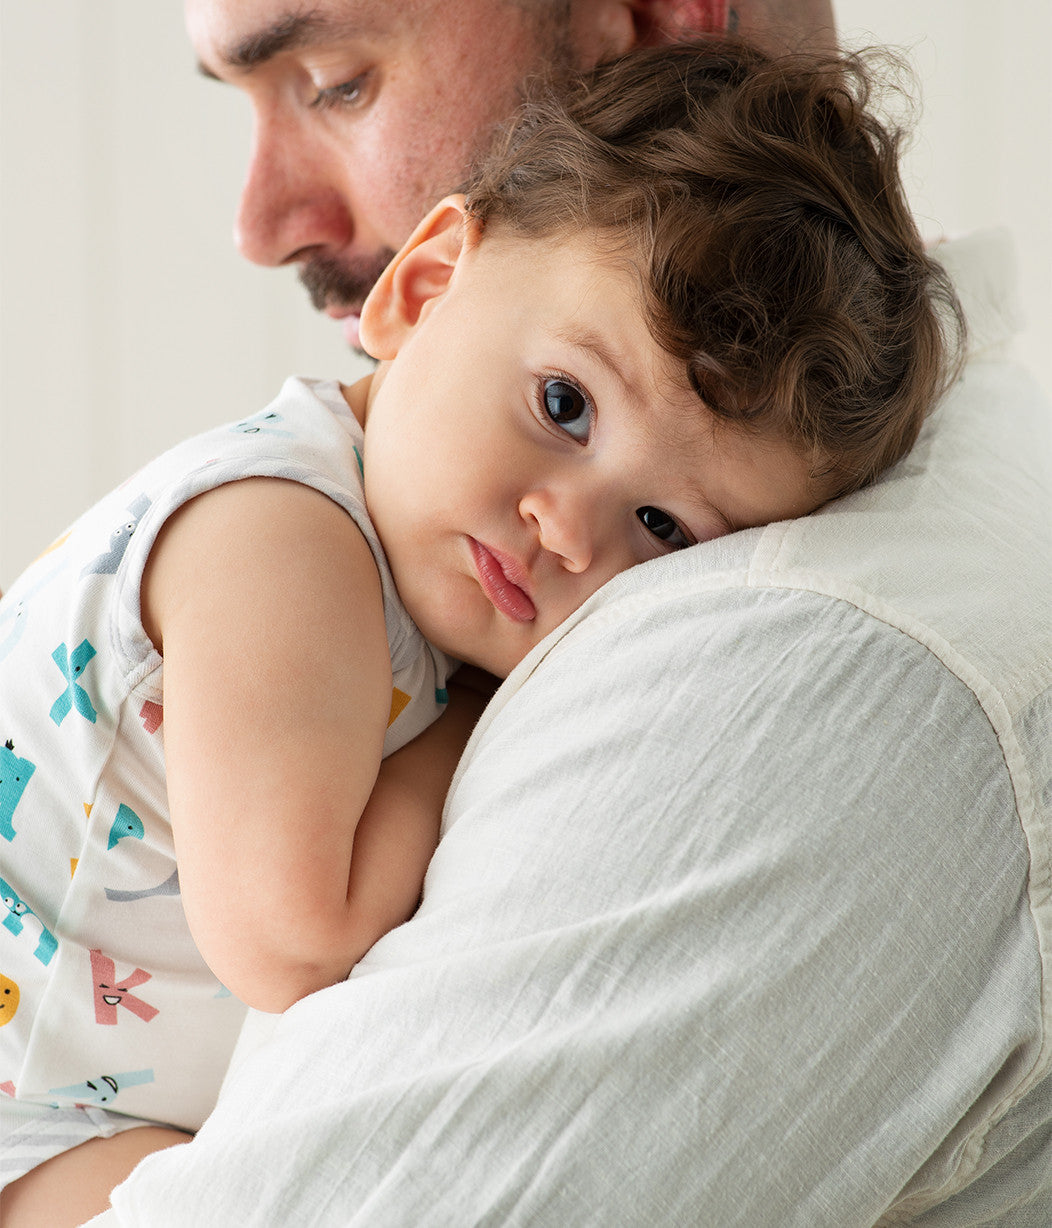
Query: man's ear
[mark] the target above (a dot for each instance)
(671, 21)
(419, 274)
(606, 29)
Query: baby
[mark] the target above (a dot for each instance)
(685, 300)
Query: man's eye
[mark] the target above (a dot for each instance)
(346, 94)
(663, 526)
(569, 408)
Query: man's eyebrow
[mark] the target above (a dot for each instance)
(289, 32)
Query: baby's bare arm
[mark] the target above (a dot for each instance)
(71, 1188)
(398, 830)
(265, 601)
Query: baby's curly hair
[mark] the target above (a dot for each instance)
(760, 201)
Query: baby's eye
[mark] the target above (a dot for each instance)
(663, 526)
(569, 408)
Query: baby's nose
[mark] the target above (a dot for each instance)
(564, 526)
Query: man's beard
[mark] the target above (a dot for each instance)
(331, 283)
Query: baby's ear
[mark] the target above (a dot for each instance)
(418, 274)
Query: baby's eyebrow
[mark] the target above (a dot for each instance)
(583, 338)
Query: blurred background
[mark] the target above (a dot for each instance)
(127, 320)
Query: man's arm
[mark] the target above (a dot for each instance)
(398, 831)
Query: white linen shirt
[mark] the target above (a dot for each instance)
(742, 913)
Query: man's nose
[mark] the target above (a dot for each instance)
(565, 524)
(292, 201)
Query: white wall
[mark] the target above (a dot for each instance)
(127, 321)
(983, 151)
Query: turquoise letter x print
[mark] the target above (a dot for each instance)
(74, 694)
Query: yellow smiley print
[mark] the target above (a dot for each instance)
(9, 996)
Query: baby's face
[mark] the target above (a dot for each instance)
(530, 440)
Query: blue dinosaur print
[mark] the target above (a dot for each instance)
(14, 776)
(17, 913)
(72, 666)
(106, 564)
(126, 824)
(104, 1088)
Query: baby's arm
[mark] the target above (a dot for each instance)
(265, 601)
(398, 831)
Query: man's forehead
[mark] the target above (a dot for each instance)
(242, 35)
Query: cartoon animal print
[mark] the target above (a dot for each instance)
(17, 919)
(126, 825)
(103, 1089)
(170, 886)
(111, 992)
(15, 774)
(263, 423)
(72, 664)
(106, 564)
(10, 995)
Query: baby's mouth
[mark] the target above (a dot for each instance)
(510, 599)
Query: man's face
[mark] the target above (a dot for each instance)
(366, 111)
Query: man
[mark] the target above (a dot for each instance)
(366, 113)
(741, 913)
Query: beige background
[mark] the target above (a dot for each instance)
(128, 321)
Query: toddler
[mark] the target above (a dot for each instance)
(686, 299)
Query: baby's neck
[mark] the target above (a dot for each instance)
(357, 396)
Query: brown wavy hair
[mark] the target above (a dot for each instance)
(761, 203)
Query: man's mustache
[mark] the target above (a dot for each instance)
(333, 283)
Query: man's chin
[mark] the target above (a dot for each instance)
(339, 287)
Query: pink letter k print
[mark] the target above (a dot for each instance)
(111, 993)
